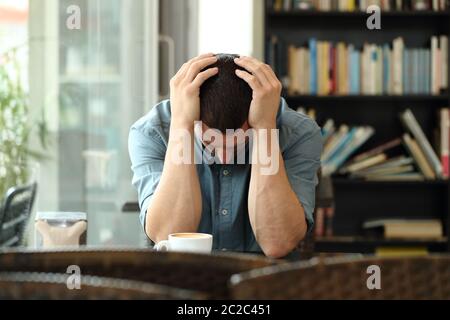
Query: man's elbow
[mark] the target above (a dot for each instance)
(152, 234)
(277, 250)
(154, 230)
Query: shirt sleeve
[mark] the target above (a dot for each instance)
(147, 155)
(302, 161)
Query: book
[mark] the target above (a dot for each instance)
(377, 150)
(328, 129)
(443, 41)
(421, 161)
(411, 124)
(385, 171)
(386, 68)
(294, 71)
(354, 72)
(412, 176)
(444, 116)
(435, 81)
(384, 252)
(398, 47)
(395, 162)
(427, 74)
(313, 67)
(366, 163)
(406, 72)
(405, 229)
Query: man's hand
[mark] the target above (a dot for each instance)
(185, 89)
(266, 92)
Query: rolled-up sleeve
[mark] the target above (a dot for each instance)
(147, 161)
(302, 161)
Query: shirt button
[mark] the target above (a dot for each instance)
(226, 173)
(224, 212)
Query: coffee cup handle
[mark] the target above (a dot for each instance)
(162, 246)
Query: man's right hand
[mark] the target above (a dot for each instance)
(185, 89)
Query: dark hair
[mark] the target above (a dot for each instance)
(225, 98)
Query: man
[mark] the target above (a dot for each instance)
(243, 208)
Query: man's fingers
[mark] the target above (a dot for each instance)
(197, 66)
(271, 74)
(255, 67)
(185, 67)
(203, 76)
(204, 55)
(273, 79)
(252, 81)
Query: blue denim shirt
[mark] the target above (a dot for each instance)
(225, 187)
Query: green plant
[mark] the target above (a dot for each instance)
(15, 125)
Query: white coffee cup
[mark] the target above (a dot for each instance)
(187, 242)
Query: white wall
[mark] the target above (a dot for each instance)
(230, 26)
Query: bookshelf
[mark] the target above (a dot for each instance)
(380, 98)
(359, 200)
(354, 15)
(368, 245)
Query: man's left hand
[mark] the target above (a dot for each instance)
(266, 92)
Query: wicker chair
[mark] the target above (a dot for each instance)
(346, 278)
(48, 286)
(14, 214)
(206, 274)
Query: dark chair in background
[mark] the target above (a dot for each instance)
(205, 274)
(14, 214)
(48, 286)
(413, 278)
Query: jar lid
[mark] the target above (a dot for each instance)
(68, 216)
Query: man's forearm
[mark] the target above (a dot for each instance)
(177, 203)
(276, 215)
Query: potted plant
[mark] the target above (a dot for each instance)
(16, 126)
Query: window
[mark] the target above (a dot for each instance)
(226, 26)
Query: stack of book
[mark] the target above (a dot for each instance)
(357, 5)
(324, 68)
(387, 162)
(340, 143)
(404, 229)
(410, 157)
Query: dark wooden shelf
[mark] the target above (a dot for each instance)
(377, 241)
(380, 98)
(369, 245)
(359, 182)
(384, 14)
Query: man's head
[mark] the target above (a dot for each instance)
(225, 98)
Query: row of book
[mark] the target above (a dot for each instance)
(325, 68)
(410, 157)
(357, 5)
